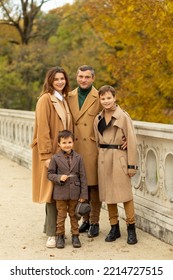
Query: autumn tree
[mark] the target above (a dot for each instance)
(129, 44)
(139, 34)
(23, 66)
(76, 43)
(21, 16)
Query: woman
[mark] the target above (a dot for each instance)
(52, 115)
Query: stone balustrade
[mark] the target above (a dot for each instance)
(16, 130)
(152, 186)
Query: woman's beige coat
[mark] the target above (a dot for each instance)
(114, 182)
(49, 120)
(84, 132)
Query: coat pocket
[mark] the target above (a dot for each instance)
(123, 163)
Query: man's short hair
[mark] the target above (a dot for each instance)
(85, 68)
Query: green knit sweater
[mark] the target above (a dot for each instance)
(82, 94)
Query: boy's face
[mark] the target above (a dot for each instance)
(107, 100)
(66, 144)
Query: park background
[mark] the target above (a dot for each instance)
(129, 44)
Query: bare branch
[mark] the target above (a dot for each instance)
(23, 20)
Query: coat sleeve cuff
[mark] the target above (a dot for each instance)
(133, 167)
(45, 156)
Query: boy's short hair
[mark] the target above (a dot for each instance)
(105, 89)
(65, 134)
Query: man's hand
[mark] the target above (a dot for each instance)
(124, 145)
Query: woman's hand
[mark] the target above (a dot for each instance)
(47, 163)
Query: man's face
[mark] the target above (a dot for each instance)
(85, 79)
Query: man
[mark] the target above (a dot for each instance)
(84, 105)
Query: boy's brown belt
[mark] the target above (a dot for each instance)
(107, 146)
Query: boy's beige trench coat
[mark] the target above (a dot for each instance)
(83, 120)
(49, 120)
(114, 182)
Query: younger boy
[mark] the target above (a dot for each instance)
(66, 171)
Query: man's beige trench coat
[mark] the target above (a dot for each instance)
(49, 120)
(114, 182)
(84, 131)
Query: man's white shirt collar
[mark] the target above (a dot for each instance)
(58, 95)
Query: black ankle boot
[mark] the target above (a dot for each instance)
(75, 241)
(84, 226)
(60, 243)
(93, 230)
(131, 239)
(114, 233)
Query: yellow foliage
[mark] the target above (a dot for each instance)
(140, 34)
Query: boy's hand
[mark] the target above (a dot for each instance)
(131, 174)
(81, 200)
(47, 163)
(63, 178)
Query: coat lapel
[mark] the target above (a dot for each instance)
(117, 117)
(74, 161)
(74, 104)
(59, 109)
(63, 160)
(68, 122)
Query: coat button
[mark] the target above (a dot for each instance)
(85, 124)
(76, 139)
(84, 139)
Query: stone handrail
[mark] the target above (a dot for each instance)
(152, 186)
(16, 130)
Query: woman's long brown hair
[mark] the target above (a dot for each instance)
(48, 82)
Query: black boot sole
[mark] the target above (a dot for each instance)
(113, 239)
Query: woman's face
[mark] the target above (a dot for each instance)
(59, 82)
(107, 100)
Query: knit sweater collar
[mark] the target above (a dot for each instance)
(84, 91)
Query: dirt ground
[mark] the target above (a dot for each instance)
(22, 223)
